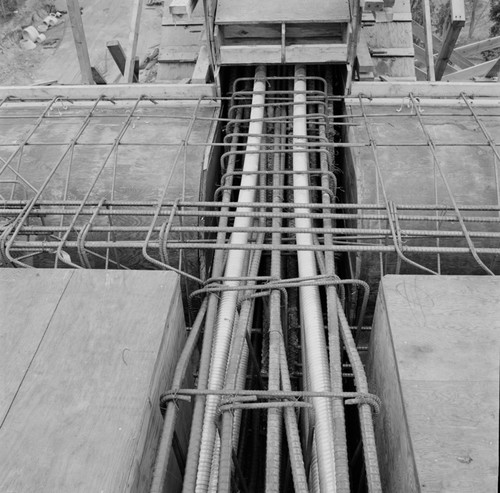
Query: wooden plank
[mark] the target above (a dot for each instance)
(389, 35)
(116, 91)
(424, 89)
(178, 55)
(313, 53)
(175, 72)
(202, 68)
(420, 55)
(28, 307)
(48, 82)
(182, 7)
(456, 57)
(196, 17)
(180, 43)
(439, 426)
(135, 22)
(293, 31)
(370, 18)
(475, 49)
(365, 62)
(80, 41)
(288, 11)
(86, 417)
(118, 55)
(429, 51)
(448, 46)
(401, 12)
(479, 70)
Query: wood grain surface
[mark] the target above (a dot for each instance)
(86, 416)
(434, 363)
(259, 11)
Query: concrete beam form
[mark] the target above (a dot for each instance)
(111, 91)
(424, 89)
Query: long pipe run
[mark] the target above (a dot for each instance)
(234, 266)
(310, 304)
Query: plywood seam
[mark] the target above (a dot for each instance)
(36, 351)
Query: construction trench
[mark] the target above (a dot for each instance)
(279, 271)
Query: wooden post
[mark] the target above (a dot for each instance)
(475, 49)
(429, 55)
(456, 57)
(457, 22)
(357, 14)
(80, 41)
(132, 40)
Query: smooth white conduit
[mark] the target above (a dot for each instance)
(313, 333)
(234, 267)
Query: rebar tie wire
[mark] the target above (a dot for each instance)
(247, 399)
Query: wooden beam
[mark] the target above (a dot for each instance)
(456, 58)
(182, 7)
(365, 62)
(82, 51)
(475, 49)
(452, 33)
(111, 91)
(479, 70)
(202, 67)
(132, 40)
(118, 55)
(420, 55)
(424, 89)
(312, 53)
(429, 58)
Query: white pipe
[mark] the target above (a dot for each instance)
(234, 268)
(313, 328)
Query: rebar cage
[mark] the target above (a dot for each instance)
(124, 184)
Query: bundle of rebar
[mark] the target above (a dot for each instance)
(269, 402)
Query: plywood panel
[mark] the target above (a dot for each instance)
(86, 417)
(259, 11)
(26, 309)
(408, 172)
(434, 362)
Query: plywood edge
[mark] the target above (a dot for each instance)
(173, 339)
(392, 431)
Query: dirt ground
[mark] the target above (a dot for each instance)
(56, 59)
